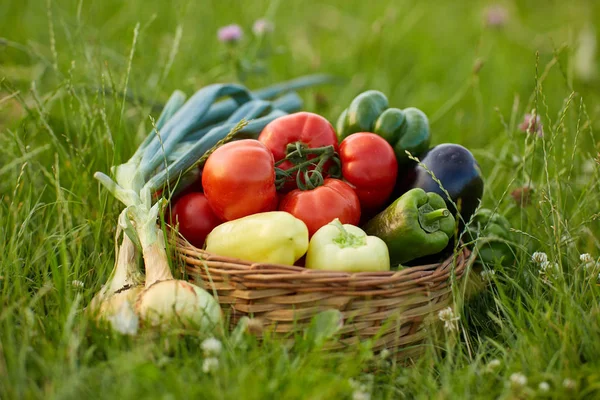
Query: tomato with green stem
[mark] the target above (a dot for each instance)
(303, 129)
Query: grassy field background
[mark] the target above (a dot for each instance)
(527, 332)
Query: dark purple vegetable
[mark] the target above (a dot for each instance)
(457, 170)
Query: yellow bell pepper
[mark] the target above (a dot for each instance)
(274, 237)
(337, 247)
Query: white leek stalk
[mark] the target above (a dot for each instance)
(124, 284)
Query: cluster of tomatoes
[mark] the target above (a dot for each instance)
(296, 165)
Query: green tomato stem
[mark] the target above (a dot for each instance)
(297, 154)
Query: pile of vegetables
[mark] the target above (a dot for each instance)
(251, 178)
(349, 199)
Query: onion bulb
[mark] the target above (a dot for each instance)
(175, 301)
(166, 301)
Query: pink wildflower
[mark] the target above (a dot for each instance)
(532, 126)
(496, 16)
(230, 33)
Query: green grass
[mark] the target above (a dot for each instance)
(58, 224)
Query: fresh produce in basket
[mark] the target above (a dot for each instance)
(271, 237)
(337, 247)
(299, 129)
(321, 197)
(369, 165)
(417, 224)
(239, 180)
(194, 217)
(319, 205)
(458, 173)
(491, 231)
(406, 129)
(189, 131)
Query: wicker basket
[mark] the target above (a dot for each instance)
(389, 307)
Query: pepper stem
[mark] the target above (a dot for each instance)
(345, 238)
(435, 215)
(429, 219)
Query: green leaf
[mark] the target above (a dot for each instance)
(324, 326)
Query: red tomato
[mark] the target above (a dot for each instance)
(369, 165)
(195, 218)
(310, 129)
(239, 180)
(319, 206)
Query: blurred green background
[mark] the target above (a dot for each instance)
(471, 66)
(458, 61)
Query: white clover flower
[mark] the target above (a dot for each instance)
(360, 391)
(487, 275)
(539, 257)
(77, 284)
(385, 353)
(544, 387)
(449, 319)
(549, 269)
(210, 365)
(125, 320)
(211, 347)
(518, 380)
(588, 262)
(493, 365)
(569, 383)
(361, 395)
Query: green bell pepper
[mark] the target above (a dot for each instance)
(495, 230)
(417, 224)
(406, 129)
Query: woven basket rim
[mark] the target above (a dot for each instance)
(274, 272)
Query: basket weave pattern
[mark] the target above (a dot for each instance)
(389, 306)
